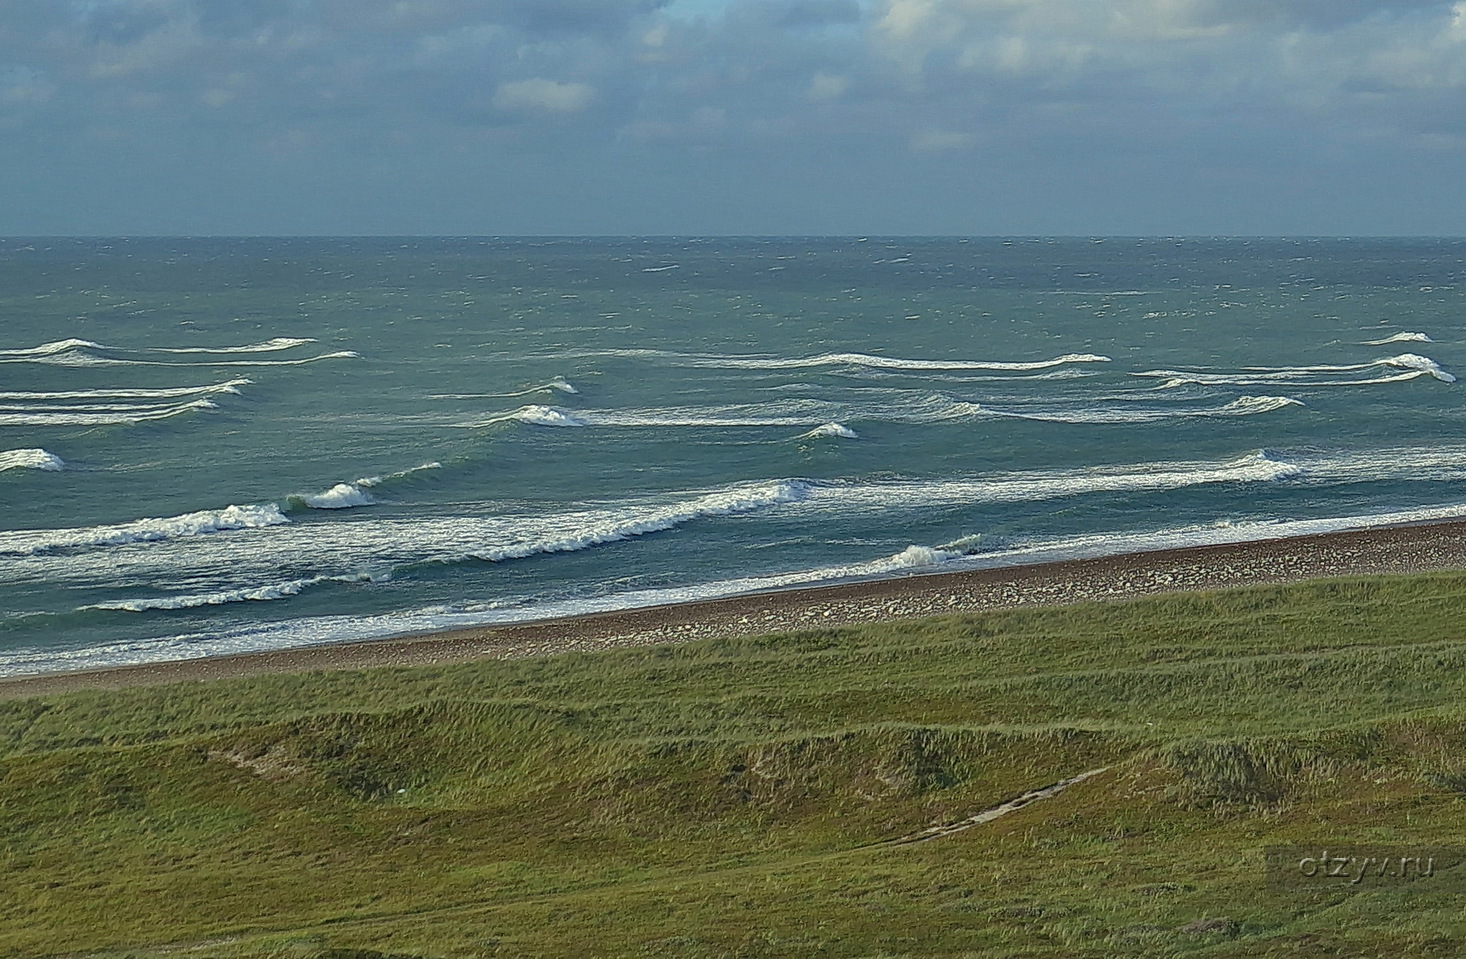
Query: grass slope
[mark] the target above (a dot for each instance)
(733, 798)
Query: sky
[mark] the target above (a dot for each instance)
(715, 117)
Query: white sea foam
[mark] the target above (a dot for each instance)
(332, 629)
(1131, 412)
(35, 459)
(84, 416)
(543, 416)
(824, 418)
(560, 386)
(1035, 486)
(1400, 338)
(1302, 376)
(232, 386)
(832, 429)
(896, 363)
(81, 358)
(268, 346)
(340, 496)
(32, 542)
(272, 591)
(348, 495)
(759, 362)
(595, 529)
(58, 346)
(370, 481)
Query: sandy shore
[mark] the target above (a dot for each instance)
(1401, 549)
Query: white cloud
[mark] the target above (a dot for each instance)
(540, 95)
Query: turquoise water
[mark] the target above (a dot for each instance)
(211, 446)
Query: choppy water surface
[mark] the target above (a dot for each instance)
(220, 445)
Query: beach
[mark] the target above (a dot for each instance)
(1413, 548)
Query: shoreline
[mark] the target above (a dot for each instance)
(1412, 548)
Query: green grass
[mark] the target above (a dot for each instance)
(731, 797)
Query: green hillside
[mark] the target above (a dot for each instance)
(741, 797)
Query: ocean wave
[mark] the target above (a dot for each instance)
(267, 593)
(340, 496)
(35, 459)
(104, 416)
(273, 345)
(627, 522)
(1400, 338)
(1130, 413)
(232, 386)
(33, 542)
(354, 493)
(78, 357)
(400, 474)
(1036, 486)
(831, 430)
(821, 416)
(58, 346)
(1302, 376)
(758, 362)
(915, 559)
(560, 386)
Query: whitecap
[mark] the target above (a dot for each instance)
(32, 542)
(35, 459)
(340, 496)
(1302, 376)
(266, 593)
(120, 416)
(760, 362)
(1400, 338)
(273, 345)
(58, 346)
(400, 474)
(833, 430)
(560, 386)
(232, 386)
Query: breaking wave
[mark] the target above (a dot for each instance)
(232, 386)
(757, 362)
(35, 459)
(347, 495)
(268, 346)
(824, 418)
(98, 415)
(266, 593)
(832, 430)
(560, 386)
(32, 542)
(1400, 338)
(1301, 376)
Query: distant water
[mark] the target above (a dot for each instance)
(213, 446)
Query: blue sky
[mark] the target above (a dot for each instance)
(973, 117)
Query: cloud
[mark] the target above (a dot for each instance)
(539, 95)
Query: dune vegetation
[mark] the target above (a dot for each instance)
(747, 797)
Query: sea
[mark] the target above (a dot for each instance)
(213, 446)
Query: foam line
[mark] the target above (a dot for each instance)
(101, 418)
(33, 542)
(232, 386)
(1412, 363)
(757, 362)
(268, 346)
(1400, 338)
(272, 591)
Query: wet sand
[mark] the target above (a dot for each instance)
(1400, 549)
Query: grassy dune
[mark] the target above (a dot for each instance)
(736, 797)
